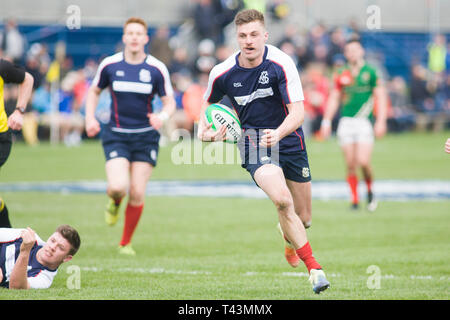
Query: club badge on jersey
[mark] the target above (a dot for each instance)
(144, 75)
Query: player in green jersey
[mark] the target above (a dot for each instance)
(357, 88)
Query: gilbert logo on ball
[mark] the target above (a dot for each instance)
(220, 115)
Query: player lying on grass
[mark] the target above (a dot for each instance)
(27, 262)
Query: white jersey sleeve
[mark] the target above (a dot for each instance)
(164, 85)
(43, 280)
(213, 91)
(290, 84)
(9, 234)
(101, 79)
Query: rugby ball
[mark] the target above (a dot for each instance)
(221, 115)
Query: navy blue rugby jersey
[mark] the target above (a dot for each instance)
(259, 95)
(132, 88)
(39, 276)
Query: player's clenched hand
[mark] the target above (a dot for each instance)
(269, 138)
(154, 121)
(157, 119)
(15, 120)
(379, 129)
(206, 133)
(447, 146)
(92, 127)
(28, 239)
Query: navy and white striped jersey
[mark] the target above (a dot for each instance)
(39, 276)
(132, 88)
(259, 95)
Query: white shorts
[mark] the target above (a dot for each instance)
(354, 130)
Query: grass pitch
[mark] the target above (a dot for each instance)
(197, 248)
(406, 156)
(215, 248)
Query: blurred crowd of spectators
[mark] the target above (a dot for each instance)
(421, 102)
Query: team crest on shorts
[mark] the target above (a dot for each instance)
(153, 154)
(305, 172)
(144, 75)
(113, 154)
(265, 159)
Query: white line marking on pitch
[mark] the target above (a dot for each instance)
(248, 273)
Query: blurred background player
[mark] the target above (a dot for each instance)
(358, 88)
(10, 73)
(130, 140)
(27, 262)
(264, 86)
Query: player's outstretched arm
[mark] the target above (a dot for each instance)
(15, 120)
(18, 279)
(92, 125)
(330, 110)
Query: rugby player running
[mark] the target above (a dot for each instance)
(130, 140)
(264, 87)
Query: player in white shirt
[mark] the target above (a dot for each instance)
(27, 262)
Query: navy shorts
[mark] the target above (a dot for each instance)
(295, 165)
(142, 146)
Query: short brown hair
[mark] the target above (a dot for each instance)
(135, 20)
(72, 236)
(354, 40)
(247, 16)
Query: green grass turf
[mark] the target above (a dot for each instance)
(203, 248)
(405, 156)
(197, 248)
